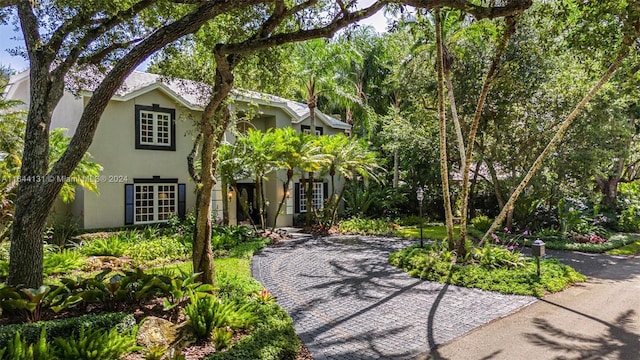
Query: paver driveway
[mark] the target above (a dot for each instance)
(347, 302)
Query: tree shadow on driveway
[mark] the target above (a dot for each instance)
(616, 342)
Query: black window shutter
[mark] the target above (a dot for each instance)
(296, 197)
(325, 190)
(128, 204)
(182, 198)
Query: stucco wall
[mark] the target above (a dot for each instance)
(113, 147)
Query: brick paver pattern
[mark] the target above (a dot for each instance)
(347, 302)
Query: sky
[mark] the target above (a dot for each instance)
(11, 39)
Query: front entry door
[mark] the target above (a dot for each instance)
(247, 205)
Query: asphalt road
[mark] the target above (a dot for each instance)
(599, 319)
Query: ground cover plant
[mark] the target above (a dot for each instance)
(489, 267)
(238, 316)
(629, 249)
(365, 226)
(591, 244)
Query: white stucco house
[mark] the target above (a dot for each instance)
(142, 142)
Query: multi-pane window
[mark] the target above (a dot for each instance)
(307, 130)
(155, 128)
(154, 202)
(318, 196)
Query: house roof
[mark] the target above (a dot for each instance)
(194, 95)
(483, 172)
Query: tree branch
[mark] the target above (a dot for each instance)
(107, 24)
(254, 44)
(100, 55)
(7, 3)
(513, 7)
(112, 81)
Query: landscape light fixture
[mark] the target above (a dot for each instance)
(538, 250)
(420, 196)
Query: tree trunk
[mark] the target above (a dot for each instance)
(454, 115)
(284, 198)
(396, 168)
(202, 252)
(509, 30)
(444, 171)
(312, 103)
(609, 188)
(225, 203)
(260, 199)
(340, 196)
(557, 137)
(496, 184)
(35, 193)
(214, 122)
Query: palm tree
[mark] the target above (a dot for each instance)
(312, 103)
(230, 168)
(348, 157)
(260, 157)
(296, 151)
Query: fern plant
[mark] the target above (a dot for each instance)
(208, 312)
(221, 338)
(111, 246)
(18, 349)
(61, 262)
(96, 344)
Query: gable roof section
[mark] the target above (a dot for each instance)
(193, 95)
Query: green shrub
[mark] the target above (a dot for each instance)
(273, 338)
(234, 287)
(247, 249)
(62, 262)
(482, 223)
(61, 231)
(155, 353)
(30, 332)
(362, 226)
(561, 243)
(629, 220)
(411, 220)
(5, 247)
(497, 257)
(19, 349)
(95, 344)
(111, 246)
(227, 237)
(24, 301)
(221, 338)
(163, 248)
(496, 274)
(208, 312)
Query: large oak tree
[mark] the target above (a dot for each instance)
(67, 35)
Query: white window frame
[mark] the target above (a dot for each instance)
(318, 196)
(159, 119)
(156, 208)
(307, 130)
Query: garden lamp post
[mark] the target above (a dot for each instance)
(420, 196)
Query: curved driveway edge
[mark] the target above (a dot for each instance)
(347, 302)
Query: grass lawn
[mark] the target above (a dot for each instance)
(629, 249)
(431, 232)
